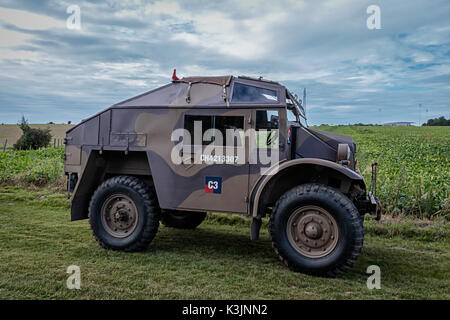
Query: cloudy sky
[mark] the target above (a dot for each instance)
(49, 72)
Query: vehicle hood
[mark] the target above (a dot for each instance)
(333, 139)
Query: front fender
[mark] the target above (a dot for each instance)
(278, 169)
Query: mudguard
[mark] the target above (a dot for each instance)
(277, 169)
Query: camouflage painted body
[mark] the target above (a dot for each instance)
(133, 137)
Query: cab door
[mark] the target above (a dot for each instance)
(215, 163)
(270, 146)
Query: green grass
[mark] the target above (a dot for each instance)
(215, 261)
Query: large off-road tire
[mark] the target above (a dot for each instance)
(124, 214)
(315, 229)
(182, 219)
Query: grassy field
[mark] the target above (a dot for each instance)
(216, 261)
(12, 132)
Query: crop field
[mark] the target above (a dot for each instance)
(414, 166)
(35, 167)
(413, 174)
(217, 260)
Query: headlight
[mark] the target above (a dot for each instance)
(343, 152)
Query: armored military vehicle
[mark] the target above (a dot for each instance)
(220, 144)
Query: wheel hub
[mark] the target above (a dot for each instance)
(119, 216)
(312, 231)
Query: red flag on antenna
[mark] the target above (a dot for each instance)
(174, 75)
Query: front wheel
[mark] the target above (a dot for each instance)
(316, 229)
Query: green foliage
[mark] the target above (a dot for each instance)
(414, 166)
(441, 121)
(32, 138)
(35, 167)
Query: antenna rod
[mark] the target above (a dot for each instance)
(304, 100)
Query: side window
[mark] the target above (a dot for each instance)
(219, 124)
(266, 120)
(246, 93)
(291, 115)
(206, 122)
(267, 125)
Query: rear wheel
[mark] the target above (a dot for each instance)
(124, 214)
(182, 219)
(315, 229)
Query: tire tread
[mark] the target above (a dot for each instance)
(343, 202)
(151, 207)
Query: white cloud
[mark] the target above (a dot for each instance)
(422, 57)
(19, 54)
(301, 76)
(217, 32)
(163, 7)
(126, 73)
(9, 38)
(429, 35)
(28, 20)
(325, 46)
(338, 108)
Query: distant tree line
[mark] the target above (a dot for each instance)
(365, 124)
(441, 121)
